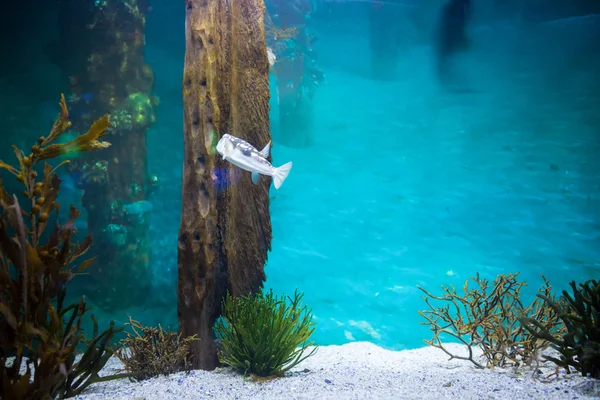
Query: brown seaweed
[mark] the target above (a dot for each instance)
(487, 316)
(153, 351)
(579, 343)
(40, 335)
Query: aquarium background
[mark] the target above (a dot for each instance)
(403, 183)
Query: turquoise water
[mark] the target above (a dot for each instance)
(428, 197)
(405, 184)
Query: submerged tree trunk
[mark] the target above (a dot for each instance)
(225, 231)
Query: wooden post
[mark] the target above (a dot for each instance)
(384, 35)
(225, 231)
(296, 76)
(102, 52)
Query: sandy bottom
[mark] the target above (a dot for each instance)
(359, 370)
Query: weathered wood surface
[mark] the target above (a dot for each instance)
(225, 231)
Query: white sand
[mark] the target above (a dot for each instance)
(357, 371)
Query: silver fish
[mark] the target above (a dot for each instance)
(244, 155)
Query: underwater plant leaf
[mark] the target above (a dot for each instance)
(65, 162)
(9, 168)
(82, 248)
(8, 315)
(68, 226)
(30, 329)
(54, 319)
(8, 246)
(63, 255)
(579, 343)
(61, 124)
(5, 198)
(86, 142)
(84, 265)
(21, 387)
(35, 269)
(85, 372)
(19, 154)
(264, 334)
(153, 351)
(51, 185)
(33, 258)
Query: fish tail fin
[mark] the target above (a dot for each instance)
(280, 174)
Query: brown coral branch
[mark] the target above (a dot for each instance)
(491, 320)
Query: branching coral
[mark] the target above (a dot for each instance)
(149, 351)
(39, 333)
(262, 335)
(488, 317)
(579, 343)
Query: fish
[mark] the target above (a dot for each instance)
(242, 154)
(138, 208)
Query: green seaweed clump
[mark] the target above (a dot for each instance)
(487, 317)
(40, 334)
(150, 351)
(262, 335)
(579, 344)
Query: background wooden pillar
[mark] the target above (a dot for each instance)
(102, 52)
(225, 231)
(297, 77)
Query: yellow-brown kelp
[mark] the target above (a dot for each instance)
(110, 75)
(39, 331)
(224, 235)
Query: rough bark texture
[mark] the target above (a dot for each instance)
(225, 231)
(102, 52)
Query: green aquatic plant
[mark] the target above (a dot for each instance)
(152, 351)
(487, 317)
(579, 343)
(263, 335)
(40, 334)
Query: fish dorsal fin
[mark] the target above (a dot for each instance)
(265, 152)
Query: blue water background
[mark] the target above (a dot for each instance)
(406, 185)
